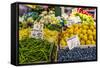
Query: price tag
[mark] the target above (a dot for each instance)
(77, 19)
(73, 42)
(36, 34)
(37, 31)
(36, 26)
(73, 20)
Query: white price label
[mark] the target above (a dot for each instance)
(77, 19)
(38, 26)
(37, 31)
(73, 42)
(73, 20)
(36, 34)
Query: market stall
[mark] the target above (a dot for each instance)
(56, 34)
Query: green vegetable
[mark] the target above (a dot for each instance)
(53, 27)
(35, 51)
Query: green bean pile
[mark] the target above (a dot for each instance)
(34, 51)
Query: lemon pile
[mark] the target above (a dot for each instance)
(86, 34)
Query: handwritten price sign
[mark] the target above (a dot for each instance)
(73, 42)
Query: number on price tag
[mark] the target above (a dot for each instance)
(73, 42)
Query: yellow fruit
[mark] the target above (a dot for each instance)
(84, 37)
(82, 42)
(84, 26)
(88, 42)
(76, 28)
(84, 31)
(89, 32)
(94, 32)
(80, 30)
(75, 25)
(80, 35)
(70, 31)
(90, 37)
(76, 32)
(71, 35)
(92, 27)
(93, 42)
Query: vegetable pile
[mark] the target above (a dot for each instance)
(35, 51)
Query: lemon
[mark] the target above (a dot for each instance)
(84, 26)
(88, 42)
(94, 32)
(80, 35)
(82, 42)
(75, 25)
(90, 37)
(80, 30)
(93, 42)
(71, 35)
(76, 32)
(92, 27)
(84, 37)
(89, 32)
(84, 31)
(70, 31)
(76, 28)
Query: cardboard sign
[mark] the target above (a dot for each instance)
(73, 42)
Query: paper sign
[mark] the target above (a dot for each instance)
(37, 31)
(36, 26)
(73, 42)
(36, 34)
(73, 20)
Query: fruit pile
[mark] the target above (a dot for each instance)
(77, 54)
(87, 19)
(86, 34)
